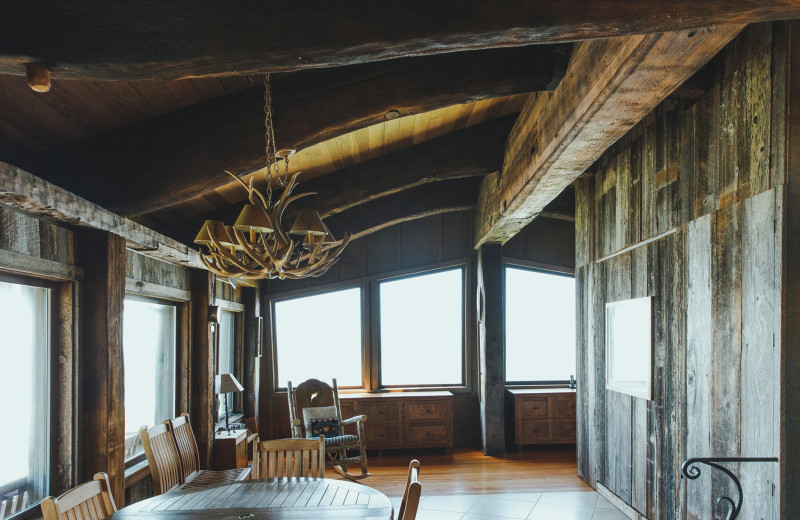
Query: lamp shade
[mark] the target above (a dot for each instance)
(225, 383)
(217, 229)
(308, 222)
(253, 218)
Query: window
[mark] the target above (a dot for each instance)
(148, 349)
(540, 326)
(25, 384)
(225, 363)
(319, 336)
(422, 329)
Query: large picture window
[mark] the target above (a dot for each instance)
(319, 336)
(148, 348)
(422, 329)
(540, 326)
(25, 384)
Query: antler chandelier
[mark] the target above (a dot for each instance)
(257, 246)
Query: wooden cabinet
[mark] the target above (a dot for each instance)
(542, 416)
(231, 449)
(403, 420)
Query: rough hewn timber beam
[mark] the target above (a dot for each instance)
(153, 39)
(159, 162)
(610, 85)
(420, 202)
(26, 192)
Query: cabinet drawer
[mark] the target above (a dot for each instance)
(533, 431)
(430, 434)
(348, 409)
(564, 406)
(380, 411)
(421, 411)
(564, 431)
(533, 407)
(380, 436)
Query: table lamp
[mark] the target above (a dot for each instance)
(226, 383)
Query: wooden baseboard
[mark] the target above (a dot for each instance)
(620, 504)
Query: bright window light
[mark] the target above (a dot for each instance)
(227, 345)
(24, 354)
(319, 337)
(422, 329)
(540, 326)
(148, 349)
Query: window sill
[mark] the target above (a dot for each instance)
(137, 472)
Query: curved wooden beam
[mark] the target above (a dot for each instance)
(151, 39)
(174, 157)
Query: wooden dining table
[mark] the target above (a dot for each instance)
(270, 499)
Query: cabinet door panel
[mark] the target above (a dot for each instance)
(564, 431)
(533, 431)
(380, 411)
(564, 406)
(425, 410)
(429, 434)
(533, 407)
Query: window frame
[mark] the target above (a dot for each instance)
(294, 295)
(370, 361)
(557, 270)
(177, 355)
(62, 374)
(237, 354)
(464, 320)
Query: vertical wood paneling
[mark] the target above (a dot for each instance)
(698, 361)
(758, 351)
(704, 171)
(726, 317)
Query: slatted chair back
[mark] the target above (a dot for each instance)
(13, 504)
(89, 501)
(162, 457)
(410, 503)
(186, 444)
(290, 458)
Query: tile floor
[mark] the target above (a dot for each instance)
(572, 505)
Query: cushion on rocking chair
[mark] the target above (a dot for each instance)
(341, 440)
(321, 420)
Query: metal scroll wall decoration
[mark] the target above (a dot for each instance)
(692, 472)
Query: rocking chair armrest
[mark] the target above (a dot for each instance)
(353, 420)
(296, 430)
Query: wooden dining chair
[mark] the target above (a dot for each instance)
(290, 458)
(162, 457)
(410, 503)
(191, 474)
(89, 501)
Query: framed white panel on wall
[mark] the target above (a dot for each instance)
(629, 347)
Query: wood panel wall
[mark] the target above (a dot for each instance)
(687, 208)
(415, 245)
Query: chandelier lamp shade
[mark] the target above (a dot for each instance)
(257, 246)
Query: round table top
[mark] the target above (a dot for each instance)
(272, 499)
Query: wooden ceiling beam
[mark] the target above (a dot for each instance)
(610, 85)
(415, 203)
(174, 157)
(23, 191)
(472, 152)
(153, 39)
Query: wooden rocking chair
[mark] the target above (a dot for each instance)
(313, 410)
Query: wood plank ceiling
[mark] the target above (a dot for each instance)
(150, 105)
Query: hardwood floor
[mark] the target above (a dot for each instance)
(468, 472)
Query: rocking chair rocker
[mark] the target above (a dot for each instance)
(314, 411)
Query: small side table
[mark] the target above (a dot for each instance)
(230, 449)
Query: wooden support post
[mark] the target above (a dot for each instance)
(250, 352)
(201, 402)
(492, 349)
(102, 393)
(790, 354)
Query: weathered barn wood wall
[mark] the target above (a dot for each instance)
(687, 208)
(416, 245)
